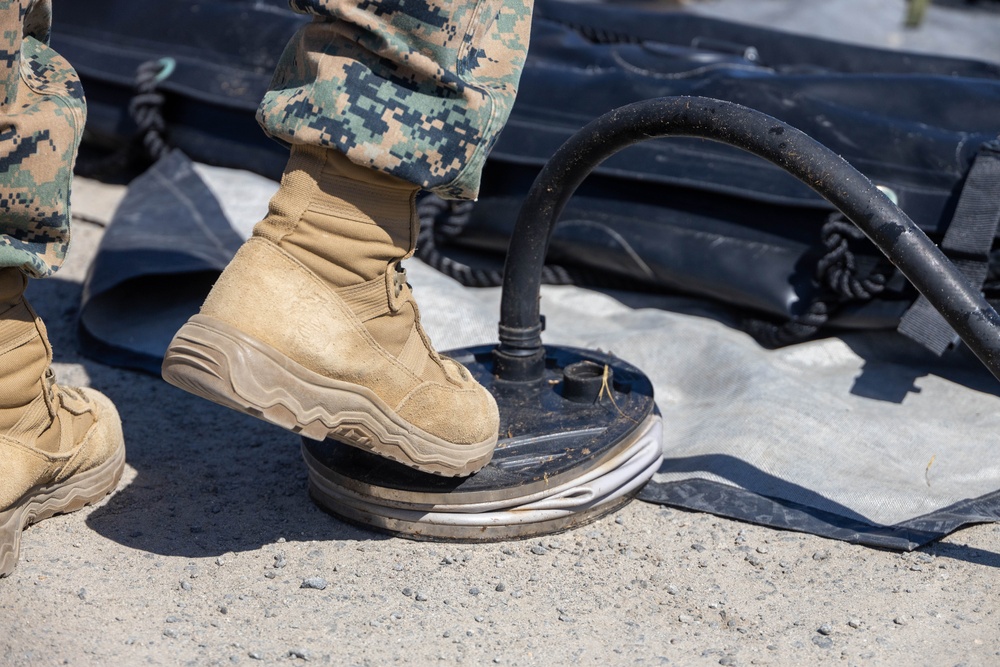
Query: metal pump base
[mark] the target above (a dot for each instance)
(575, 445)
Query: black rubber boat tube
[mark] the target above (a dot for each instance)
(520, 355)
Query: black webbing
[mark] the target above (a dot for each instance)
(967, 243)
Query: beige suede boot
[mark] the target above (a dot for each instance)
(60, 448)
(312, 326)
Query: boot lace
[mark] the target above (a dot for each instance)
(399, 280)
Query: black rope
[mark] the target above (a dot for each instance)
(146, 106)
(443, 219)
(799, 328)
(838, 270)
(149, 142)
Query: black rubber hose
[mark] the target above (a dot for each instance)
(520, 355)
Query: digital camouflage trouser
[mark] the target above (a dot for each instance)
(41, 121)
(416, 88)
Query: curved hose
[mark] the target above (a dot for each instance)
(520, 356)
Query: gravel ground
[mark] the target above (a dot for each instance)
(211, 553)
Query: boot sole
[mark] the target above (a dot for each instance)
(216, 361)
(47, 500)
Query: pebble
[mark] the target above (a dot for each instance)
(854, 623)
(822, 642)
(173, 619)
(408, 592)
(170, 632)
(82, 594)
(473, 591)
(501, 587)
(420, 597)
(254, 655)
(821, 555)
(539, 550)
(825, 629)
(317, 583)
(185, 585)
(899, 620)
(300, 653)
(279, 561)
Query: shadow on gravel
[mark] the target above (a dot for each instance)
(208, 480)
(963, 553)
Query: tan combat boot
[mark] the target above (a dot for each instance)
(313, 327)
(60, 448)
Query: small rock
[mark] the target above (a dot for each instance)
(727, 660)
(821, 555)
(270, 574)
(223, 610)
(620, 521)
(501, 587)
(825, 629)
(408, 592)
(185, 585)
(685, 618)
(822, 642)
(170, 632)
(300, 653)
(173, 619)
(854, 623)
(480, 619)
(698, 547)
(900, 620)
(539, 550)
(317, 583)
(279, 561)
(82, 594)
(762, 550)
(254, 655)
(672, 590)
(473, 591)
(420, 597)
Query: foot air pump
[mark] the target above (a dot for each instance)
(580, 433)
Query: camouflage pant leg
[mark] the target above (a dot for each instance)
(41, 122)
(419, 90)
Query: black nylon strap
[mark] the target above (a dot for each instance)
(967, 243)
